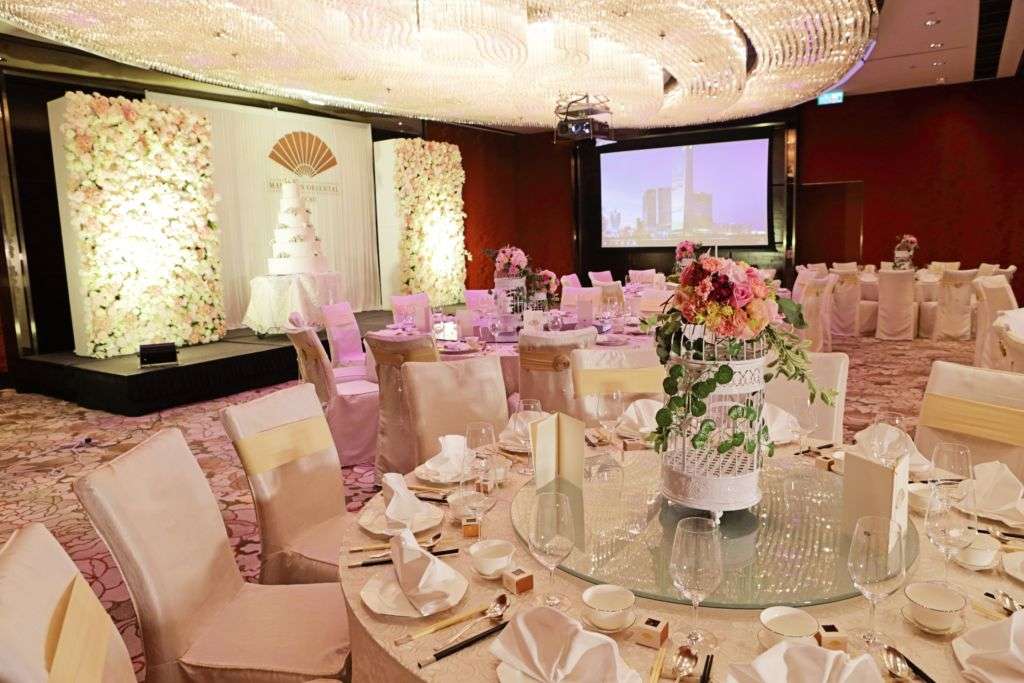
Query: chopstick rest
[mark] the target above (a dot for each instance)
(387, 560)
(461, 645)
(443, 624)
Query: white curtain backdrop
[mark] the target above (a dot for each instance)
(248, 182)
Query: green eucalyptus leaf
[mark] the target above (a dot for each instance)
(736, 412)
(698, 407)
(707, 425)
(750, 446)
(676, 403)
(724, 374)
(737, 439)
(792, 312)
(663, 417)
(670, 385)
(676, 371)
(725, 446)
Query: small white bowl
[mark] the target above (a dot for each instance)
(609, 607)
(919, 496)
(981, 552)
(490, 557)
(934, 605)
(787, 623)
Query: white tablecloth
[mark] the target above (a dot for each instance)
(925, 288)
(1013, 321)
(272, 298)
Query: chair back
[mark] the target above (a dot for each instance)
(396, 451)
(897, 310)
(1007, 272)
(343, 336)
(953, 318)
(314, 366)
(48, 611)
(154, 509)
(635, 373)
(939, 267)
(571, 280)
(545, 368)
(829, 371)
(479, 299)
(869, 268)
(642, 277)
(846, 295)
(844, 265)
(571, 296)
(444, 397)
(599, 276)
(978, 407)
(652, 300)
(290, 460)
(816, 305)
(415, 306)
(986, 269)
(819, 268)
(611, 294)
(803, 276)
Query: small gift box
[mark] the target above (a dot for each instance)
(831, 637)
(652, 632)
(517, 580)
(470, 527)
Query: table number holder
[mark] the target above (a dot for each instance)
(871, 487)
(533, 321)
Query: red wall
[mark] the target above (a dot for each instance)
(944, 163)
(518, 191)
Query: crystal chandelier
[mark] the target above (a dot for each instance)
(500, 62)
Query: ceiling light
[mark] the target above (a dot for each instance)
(940, 79)
(938, 63)
(935, 46)
(932, 22)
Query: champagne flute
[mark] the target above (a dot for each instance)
(528, 412)
(949, 529)
(697, 570)
(877, 567)
(806, 420)
(551, 533)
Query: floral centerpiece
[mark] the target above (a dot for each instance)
(903, 256)
(542, 285)
(509, 262)
(686, 252)
(715, 337)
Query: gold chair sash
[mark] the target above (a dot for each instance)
(601, 381)
(544, 360)
(81, 652)
(974, 418)
(851, 277)
(417, 355)
(281, 445)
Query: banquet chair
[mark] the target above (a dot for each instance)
(285, 447)
(479, 299)
(652, 301)
(803, 276)
(200, 620)
(571, 280)
(659, 280)
(415, 306)
(1011, 346)
(844, 265)
(52, 625)
(994, 296)
(820, 268)
(1007, 272)
(600, 276)
(572, 295)
(986, 269)
(642, 277)
(978, 407)
(444, 397)
(348, 359)
(829, 371)
(897, 309)
(350, 406)
(545, 368)
(939, 267)
(886, 265)
(851, 317)
(869, 268)
(395, 445)
(950, 316)
(612, 294)
(635, 373)
(817, 305)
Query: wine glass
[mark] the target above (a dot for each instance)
(609, 412)
(437, 321)
(480, 472)
(951, 460)
(876, 565)
(892, 453)
(529, 411)
(697, 570)
(551, 534)
(555, 321)
(951, 529)
(494, 326)
(806, 418)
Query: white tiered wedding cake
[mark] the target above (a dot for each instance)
(296, 247)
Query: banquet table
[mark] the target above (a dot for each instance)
(376, 657)
(926, 287)
(1012, 320)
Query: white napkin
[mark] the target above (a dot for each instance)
(782, 426)
(509, 435)
(426, 580)
(995, 651)
(790, 662)
(550, 646)
(998, 491)
(883, 438)
(447, 465)
(638, 419)
(400, 504)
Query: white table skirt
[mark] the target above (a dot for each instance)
(272, 298)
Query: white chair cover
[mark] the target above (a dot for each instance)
(829, 371)
(844, 265)
(984, 386)
(817, 305)
(846, 303)
(545, 368)
(611, 293)
(939, 267)
(611, 359)
(869, 268)
(897, 309)
(597, 276)
(659, 280)
(572, 295)
(986, 269)
(886, 265)
(343, 336)
(1007, 272)
(950, 316)
(571, 280)
(1011, 345)
(416, 306)
(803, 276)
(819, 268)
(479, 299)
(642, 277)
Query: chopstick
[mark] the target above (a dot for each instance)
(427, 489)
(387, 560)
(432, 499)
(984, 610)
(709, 661)
(443, 624)
(815, 448)
(659, 661)
(1008, 534)
(461, 645)
(947, 480)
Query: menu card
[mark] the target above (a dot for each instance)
(557, 442)
(873, 488)
(533, 321)
(464, 319)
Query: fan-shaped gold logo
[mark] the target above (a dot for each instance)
(303, 154)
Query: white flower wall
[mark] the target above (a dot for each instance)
(428, 180)
(142, 204)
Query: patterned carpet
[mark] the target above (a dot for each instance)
(45, 444)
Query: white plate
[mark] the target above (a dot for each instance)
(373, 521)
(1012, 523)
(383, 595)
(594, 627)
(424, 474)
(1013, 565)
(513, 447)
(978, 568)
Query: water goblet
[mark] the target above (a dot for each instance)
(877, 567)
(551, 531)
(950, 458)
(529, 411)
(806, 420)
(696, 568)
(950, 520)
(609, 412)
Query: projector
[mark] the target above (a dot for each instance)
(583, 117)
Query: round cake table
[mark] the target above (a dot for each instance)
(272, 298)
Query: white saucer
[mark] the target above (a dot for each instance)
(383, 595)
(1013, 565)
(373, 521)
(766, 646)
(513, 448)
(957, 628)
(978, 568)
(594, 627)
(491, 577)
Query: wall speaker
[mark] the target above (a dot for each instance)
(157, 354)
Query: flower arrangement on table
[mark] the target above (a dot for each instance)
(724, 314)
(512, 262)
(686, 252)
(903, 256)
(543, 283)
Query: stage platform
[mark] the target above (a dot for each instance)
(239, 362)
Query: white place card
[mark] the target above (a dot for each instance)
(873, 488)
(533, 321)
(557, 443)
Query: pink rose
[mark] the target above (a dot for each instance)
(741, 295)
(712, 264)
(704, 288)
(759, 289)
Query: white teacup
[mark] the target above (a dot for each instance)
(934, 605)
(788, 623)
(491, 557)
(981, 552)
(608, 606)
(919, 496)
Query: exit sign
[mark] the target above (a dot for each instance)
(833, 97)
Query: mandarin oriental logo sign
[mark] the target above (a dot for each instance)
(306, 156)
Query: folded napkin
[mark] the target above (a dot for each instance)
(400, 504)
(883, 438)
(638, 419)
(782, 426)
(549, 646)
(517, 431)
(426, 580)
(993, 653)
(998, 491)
(448, 464)
(804, 663)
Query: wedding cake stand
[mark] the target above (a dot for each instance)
(272, 298)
